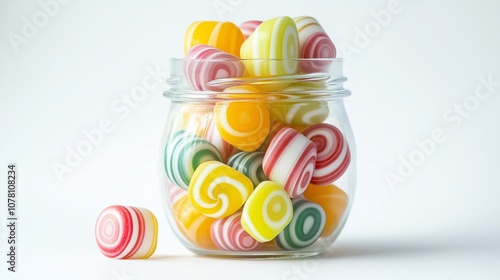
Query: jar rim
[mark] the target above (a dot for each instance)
(325, 82)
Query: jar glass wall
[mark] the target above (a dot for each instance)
(257, 166)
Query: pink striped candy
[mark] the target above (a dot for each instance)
(205, 63)
(314, 43)
(124, 232)
(290, 160)
(333, 153)
(248, 27)
(228, 234)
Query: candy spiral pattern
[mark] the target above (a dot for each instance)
(267, 211)
(290, 161)
(248, 27)
(275, 39)
(225, 36)
(243, 124)
(192, 224)
(228, 234)
(184, 153)
(333, 153)
(250, 164)
(124, 232)
(314, 43)
(217, 190)
(333, 200)
(306, 227)
(205, 63)
(302, 113)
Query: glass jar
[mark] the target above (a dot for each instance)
(257, 166)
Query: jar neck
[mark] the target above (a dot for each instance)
(320, 79)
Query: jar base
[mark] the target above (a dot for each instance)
(257, 254)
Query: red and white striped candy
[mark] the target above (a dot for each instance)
(248, 27)
(205, 63)
(124, 232)
(290, 160)
(228, 234)
(333, 153)
(314, 43)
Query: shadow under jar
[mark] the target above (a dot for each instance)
(257, 165)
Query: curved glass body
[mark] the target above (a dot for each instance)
(257, 166)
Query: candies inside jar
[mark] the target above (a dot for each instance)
(257, 153)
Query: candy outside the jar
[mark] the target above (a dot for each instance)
(228, 234)
(290, 160)
(314, 43)
(243, 124)
(306, 227)
(333, 200)
(225, 36)
(184, 153)
(267, 211)
(192, 224)
(333, 153)
(272, 49)
(125, 232)
(206, 63)
(217, 190)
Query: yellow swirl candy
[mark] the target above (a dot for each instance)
(301, 113)
(334, 202)
(225, 36)
(274, 39)
(267, 211)
(243, 124)
(193, 225)
(217, 190)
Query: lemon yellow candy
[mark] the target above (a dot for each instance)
(334, 202)
(300, 113)
(243, 124)
(267, 211)
(272, 48)
(225, 36)
(193, 225)
(218, 190)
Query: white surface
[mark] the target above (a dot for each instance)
(440, 223)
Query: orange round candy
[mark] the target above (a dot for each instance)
(334, 202)
(243, 124)
(225, 36)
(193, 224)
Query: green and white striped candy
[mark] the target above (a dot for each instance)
(184, 153)
(308, 222)
(249, 164)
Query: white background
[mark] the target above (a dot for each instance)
(441, 222)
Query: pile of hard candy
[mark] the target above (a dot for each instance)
(242, 173)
